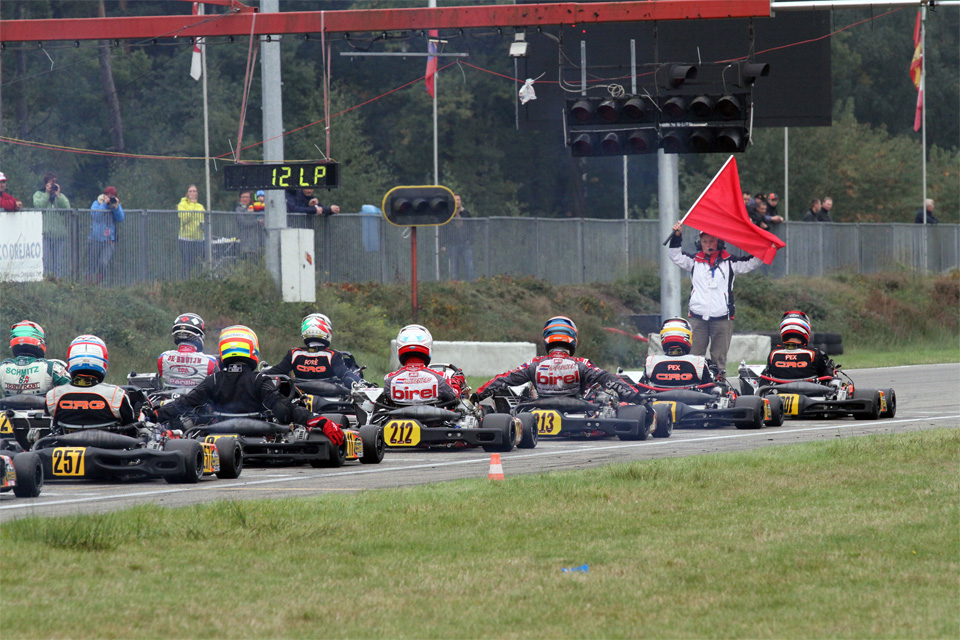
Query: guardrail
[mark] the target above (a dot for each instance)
(363, 248)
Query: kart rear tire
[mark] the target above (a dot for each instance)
(338, 456)
(664, 421)
(373, 445)
(757, 404)
(508, 429)
(530, 435)
(29, 475)
(192, 452)
(873, 395)
(891, 397)
(637, 413)
(776, 411)
(231, 458)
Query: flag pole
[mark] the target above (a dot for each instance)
(436, 161)
(923, 130)
(208, 249)
(700, 197)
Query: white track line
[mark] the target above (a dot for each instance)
(23, 503)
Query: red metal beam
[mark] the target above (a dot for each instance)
(238, 23)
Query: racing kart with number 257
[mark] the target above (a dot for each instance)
(819, 397)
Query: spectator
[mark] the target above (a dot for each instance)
(813, 213)
(711, 308)
(260, 204)
(459, 249)
(825, 209)
(248, 226)
(773, 200)
(56, 226)
(7, 201)
(191, 231)
(767, 218)
(303, 201)
(928, 206)
(106, 211)
(759, 215)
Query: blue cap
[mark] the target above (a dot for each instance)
(261, 193)
(369, 208)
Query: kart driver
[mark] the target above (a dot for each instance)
(28, 371)
(187, 365)
(677, 368)
(238, 388)
(88, 402)
(559, 373)
(317, 361)
(415, 382)
(793, 359)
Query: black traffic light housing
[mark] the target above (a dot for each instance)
(419, 206)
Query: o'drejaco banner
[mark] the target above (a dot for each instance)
(21, 246)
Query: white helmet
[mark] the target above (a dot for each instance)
(317, 327)
(414, 339)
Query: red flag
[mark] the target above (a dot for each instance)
(720, 211)
(432, 60)
(916, 70)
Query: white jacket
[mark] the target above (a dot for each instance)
(712, 294)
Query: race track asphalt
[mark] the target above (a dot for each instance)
(928, 398)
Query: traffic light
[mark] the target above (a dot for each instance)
(418, 206)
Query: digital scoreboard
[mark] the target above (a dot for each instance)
(287, 175)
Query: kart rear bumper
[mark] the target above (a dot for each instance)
(118, 464)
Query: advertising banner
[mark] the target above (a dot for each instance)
(21, 246)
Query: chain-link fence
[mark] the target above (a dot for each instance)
(364, 248)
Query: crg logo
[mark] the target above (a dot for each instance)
(83, 404)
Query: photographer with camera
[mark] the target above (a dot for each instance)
(106, 212)
(56, 225)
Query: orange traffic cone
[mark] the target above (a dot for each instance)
(496, 468)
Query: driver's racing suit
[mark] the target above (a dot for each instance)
(93, 405)
(320, 364)
(185, 366)
(560, 374)
(417, 383)
(31, 376)
(236, 389)
(789, 362)
(677, 371)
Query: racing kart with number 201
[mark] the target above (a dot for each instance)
(819, 397)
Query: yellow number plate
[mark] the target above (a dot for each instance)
(673, 408)
(68, 461)
(402, 433)
(791, 404)
(548, 422)
(5, 426)
(214, 439)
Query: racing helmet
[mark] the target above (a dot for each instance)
(87, 355)
(239, 344)
(188, 327)
(317, 328)
(27, 339)
(560, 331)
(795, 325)
(414, 340)
(676, 337)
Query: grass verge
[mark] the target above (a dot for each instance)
(851, 538)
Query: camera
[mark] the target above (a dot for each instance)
(55, 188)
(113, 200)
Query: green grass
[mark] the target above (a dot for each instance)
(850, 538)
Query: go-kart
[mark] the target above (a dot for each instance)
(819, 397)
(24, 418)
(136, 451)
(598, 413)
(20, 471)
(709, 405)
(455, 424)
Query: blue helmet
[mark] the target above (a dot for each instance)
(560, 331)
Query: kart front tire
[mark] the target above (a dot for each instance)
(29, 475)
(639, 415)
(757, 404)
(776, 411)
(664, 423)
(231, 458)
(873, 395)
(192, 452)
(891, 397)
(373, 445)
(530, 435)
(508, 430)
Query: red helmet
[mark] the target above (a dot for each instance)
(795, 326)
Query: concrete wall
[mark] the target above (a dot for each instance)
(477, 358)
(751, 348)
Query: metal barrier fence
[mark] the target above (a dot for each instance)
(363, 248)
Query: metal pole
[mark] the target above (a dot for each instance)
(436, 159)
(413, 274)
(626, 192)
(276, 210)
(786, 174)
(208, 248)
(668, 194)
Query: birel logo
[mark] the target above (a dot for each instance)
(414, 388)
(558, 372)
(83, 404)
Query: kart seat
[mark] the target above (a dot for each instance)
(563, 404)
(246, 427)
(423, 413)
(24, 402)
(89, 438)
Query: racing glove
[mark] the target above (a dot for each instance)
(329, 428)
